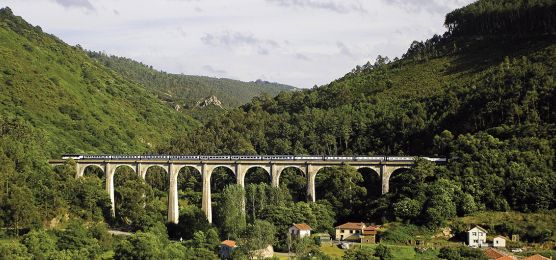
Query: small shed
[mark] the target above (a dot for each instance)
(499, 241)
(226, 249)
(369, 235)
(300, 230)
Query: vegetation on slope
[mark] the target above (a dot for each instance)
(186, 90)
(78, 105)
(484, 102)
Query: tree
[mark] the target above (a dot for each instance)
(460, 253)
(140, 246)
(19, 208)
(357, 253)
(383, 252)
(40, 243)
(257, 236)
(232, 212)
(346, 179)
(13, 250)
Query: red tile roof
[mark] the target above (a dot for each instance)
(352, 225)
(371, 230)
(302, 226)
(493, 253)
(536, 257)
(480, 228)
(506, 257)
(229, 243)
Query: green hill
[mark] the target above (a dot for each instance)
(77, 104)
(482, 94)
(187, 90)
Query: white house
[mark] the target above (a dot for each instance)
(499, 241)
(476, 237)
(300, 230)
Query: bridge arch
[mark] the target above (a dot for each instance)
(157, 177)
(256, 174)
(144, 168)
(117, 175)
(82, 168)
(278, 169)
(93, 169)
(394, 178)
(220, 176)
(295, 180)
(372, 181)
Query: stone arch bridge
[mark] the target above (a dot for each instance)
(273, 165)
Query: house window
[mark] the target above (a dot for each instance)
(481, 234)
(476, 241)
(474, 233)
(496, 241)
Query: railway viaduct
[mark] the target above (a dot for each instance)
(274, 168)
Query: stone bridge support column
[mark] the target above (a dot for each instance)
(311, 175)
(110, 170)
(80, 170)
(385, 174)
(206, 201)
(275, 172)
(142, 170)
(173, 205)
(241, 171)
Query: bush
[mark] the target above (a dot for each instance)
(461, 253)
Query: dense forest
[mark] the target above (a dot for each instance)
(482, 95)
(77, 105)
(186, 90)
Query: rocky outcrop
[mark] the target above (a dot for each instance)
(212, 100)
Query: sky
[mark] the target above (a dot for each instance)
(297, 42)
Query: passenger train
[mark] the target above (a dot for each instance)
(249, 157)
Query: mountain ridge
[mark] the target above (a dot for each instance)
(185, 90)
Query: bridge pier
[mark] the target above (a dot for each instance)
(109, 170)
(311, 176)
(173, 205)
(206, 204)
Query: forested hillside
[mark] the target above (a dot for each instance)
(186, 90)
(482, 97)
(76, 104)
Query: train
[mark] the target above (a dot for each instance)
(249, 157)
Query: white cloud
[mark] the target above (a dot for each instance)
(297, 42)
(339, 6)
(76, 4)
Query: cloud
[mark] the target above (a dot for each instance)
(237, 39)
(210, 69)
(300, 56)
(430, 6)
(76, 4)
(182, 32)
(344, 50)
(342, 6)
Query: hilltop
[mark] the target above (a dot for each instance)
(77, 104)
(186, 90)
